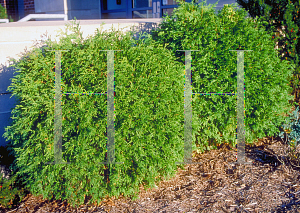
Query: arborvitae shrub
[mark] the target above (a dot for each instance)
(149, 117)
(214, 69)
(283, 13)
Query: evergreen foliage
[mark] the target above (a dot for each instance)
(149, 117)
(149, 102)
(3, 13)
(278, 13)
(214, 69)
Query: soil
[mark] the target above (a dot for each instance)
(270, 184)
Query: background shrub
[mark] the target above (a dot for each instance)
(214, 69)
(3, 14)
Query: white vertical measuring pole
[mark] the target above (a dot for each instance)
(187, 110)
(66, 7)
(240, 109)
(57, 111)
(110, 109)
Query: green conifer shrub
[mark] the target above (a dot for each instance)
(149, 117)
(3, 13)
(214, 69)
(279, 14)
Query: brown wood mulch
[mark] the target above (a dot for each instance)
(270, 184)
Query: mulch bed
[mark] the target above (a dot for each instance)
(270, 184)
